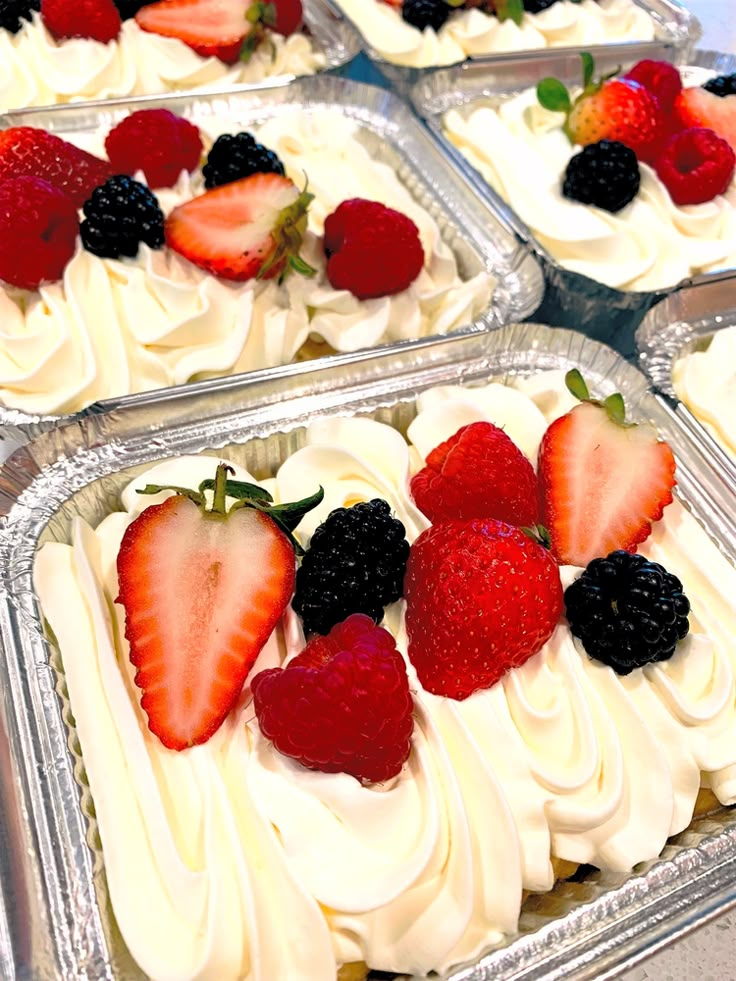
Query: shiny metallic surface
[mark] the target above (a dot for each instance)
(55, 920)
(478, 235)
(571, 299)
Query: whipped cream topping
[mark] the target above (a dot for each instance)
(38, 70)
(561, 758)
(705, 380)
(471, 32)
(113, 327)
(652, 243)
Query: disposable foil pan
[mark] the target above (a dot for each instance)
(686, 321)
(571, 299)
(476, 233)
(55, 913)
(676, 34)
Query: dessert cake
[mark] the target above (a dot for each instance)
(383, 796)
(423, 33)
(650, 198)
(705, 380)
(52, 51)
(147, 293)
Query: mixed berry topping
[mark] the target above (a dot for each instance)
(14, 12)
(157, 142)
(341, 706)
(355, 564)
(721, 86)
(238, 155)
(425, 13)
(120, 215)
(627, 611)
(604, 174)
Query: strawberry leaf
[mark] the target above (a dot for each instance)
(576, 385)
(510, 10)
(193, 495)
(292, 514)
(614, 406)
(553, 95)
(588, 68)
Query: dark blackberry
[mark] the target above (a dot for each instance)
(425, 13)
(536, 6)
(627, 611)
(605, 174)
(234, 157)
(355, 564)
(14, 12)
(722, 86)
(120, 215)
(129, 8)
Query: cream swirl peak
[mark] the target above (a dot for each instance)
(705, 380)
(562, 759)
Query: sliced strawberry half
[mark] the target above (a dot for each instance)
(603, 481)
(212, 28)
(203, 589)
(248, 228)
(698, 107)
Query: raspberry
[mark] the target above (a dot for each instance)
(481, 598)
(695, 166)
(477, 473)
(660, 78)
(235, 156)
(604, 174)
(425, 13)
(343, 705)
(288, 17)
(372, 250)
(98, 20)
(38, 231)
(355, 564)
(119, 216)
(157, 142)
(627, 611)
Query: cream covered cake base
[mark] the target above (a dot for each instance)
(258, 868)
(706, 382)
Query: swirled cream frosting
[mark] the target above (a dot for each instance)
(38, 70)
(114, 327)
(471, 32)
(705, 380)
(253, 867)
(652, 243)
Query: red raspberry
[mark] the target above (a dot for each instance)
(38, 231)
(289, 16)
(695, 166)
(660, 78)
(343, 705)
(157, 142)
(372, 250)
(477, 473)
(98, 20)
(29, 152)
(481, 598)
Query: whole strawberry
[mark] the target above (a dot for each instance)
(343, 705)
(372, 250)
(477, 473)
(98, 20)
(481, 598)
(156, 141)
(617, 109)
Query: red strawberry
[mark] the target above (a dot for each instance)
(157, 142)
(372, 250)
(202, 590)
(477, 473)
(481, 598)
(282, 16)
(603, 481)
(660, 78)
(695, 166)
(95, 19)
(212, 28)
(697, 107)
(251, 227)
(38, 231)
(25, 151)
(343, 705)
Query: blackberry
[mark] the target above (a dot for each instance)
(627, 611)
(605, 174)
(722, 86)
(234, 157)
(120, 215)
(129, 8)
(536, 6)
(355, 564)
(425, 13)
(14, 12)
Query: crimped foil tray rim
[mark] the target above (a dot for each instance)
(407, 136)
(60, 462)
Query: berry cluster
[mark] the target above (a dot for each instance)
(434, 13)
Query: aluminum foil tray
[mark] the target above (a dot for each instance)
(478, 236)
(55, 920)
(571, 299)
(676, 34)
(686, 321)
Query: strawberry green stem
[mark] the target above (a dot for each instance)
(220, 495)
